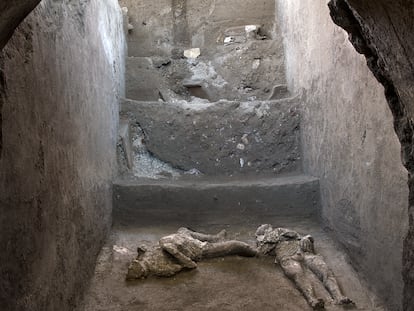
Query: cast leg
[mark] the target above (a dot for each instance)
(318, 266)
(294, 271)
(227, 248)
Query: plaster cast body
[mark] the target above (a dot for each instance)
(296, 254)
(182, 250)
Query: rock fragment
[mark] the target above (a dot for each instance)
(192, 53)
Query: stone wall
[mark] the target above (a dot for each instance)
(383, 32)
(153, 27)
(349, 143)
(163, 25)
(208, 19)
(61, 79)
(241, 69)
(212, 108)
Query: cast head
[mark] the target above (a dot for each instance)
(263, 229)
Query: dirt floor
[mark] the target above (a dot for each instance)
(232, 283)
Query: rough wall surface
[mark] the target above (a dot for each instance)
(245, 67)
(349, 143)
(383, 32)
(146, 39)
(246, 71)
(62, 76)
(163, 25)
(209, 18)
(223, 138)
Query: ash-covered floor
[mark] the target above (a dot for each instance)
(231, 283)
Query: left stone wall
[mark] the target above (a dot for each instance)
(62, 75)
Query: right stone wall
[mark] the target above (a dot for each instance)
(349, 143)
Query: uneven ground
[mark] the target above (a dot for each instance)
(239, 71)
(222, 138)
(231, 283)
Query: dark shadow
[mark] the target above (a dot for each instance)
(346, 16)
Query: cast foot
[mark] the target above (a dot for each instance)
(318, 304)
(344, 301)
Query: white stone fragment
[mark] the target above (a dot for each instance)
(120, 249)
(241, 147)
(244, 139)
(256, 64)
(241, 162)
(193, 171)
(251, 28)
(228, 40)
(262, 111)
(192, 53)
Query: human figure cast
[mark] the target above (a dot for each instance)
(296, 254)
(182, 250)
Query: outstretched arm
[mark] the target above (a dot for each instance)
(228, 248)
(204, 237)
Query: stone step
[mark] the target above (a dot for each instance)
(197, 201)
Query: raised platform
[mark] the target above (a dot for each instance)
(195, 201)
